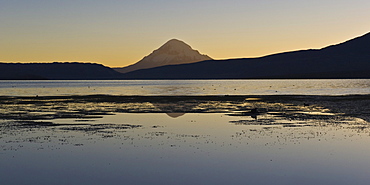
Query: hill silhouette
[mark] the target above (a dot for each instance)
(171, 53)
(350, 59)
(56, 71)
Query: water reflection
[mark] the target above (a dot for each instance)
(175, 114)
(88, 115)
(285, 140)
(184, 87)
(175, 109)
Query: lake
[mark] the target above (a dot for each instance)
(186, 87)
(185, 132)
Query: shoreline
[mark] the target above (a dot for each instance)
(205, 97)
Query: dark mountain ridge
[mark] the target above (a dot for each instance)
(56, 71)
(350, 59)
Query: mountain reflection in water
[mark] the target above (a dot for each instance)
(284, 139)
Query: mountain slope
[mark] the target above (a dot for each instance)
(56, 71)
(171, 53)
(350, 59)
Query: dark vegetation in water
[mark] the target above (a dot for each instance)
(96, 106)
(23, 116)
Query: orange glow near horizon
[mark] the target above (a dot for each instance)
(213, 49)
(117, 34)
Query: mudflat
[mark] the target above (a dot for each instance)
(103, 139)
(52, 107)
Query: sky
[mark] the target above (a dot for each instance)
(117, 33)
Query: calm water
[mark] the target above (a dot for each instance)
(69, 142)
(186, 87)
(190, 149)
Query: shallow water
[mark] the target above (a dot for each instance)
(281, 144)
(185, 87)
(185, 140)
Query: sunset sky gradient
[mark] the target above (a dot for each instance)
(117, 33)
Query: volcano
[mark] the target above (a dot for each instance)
(173, 52)
(349, 59)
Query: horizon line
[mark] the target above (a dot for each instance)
(227, 58)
